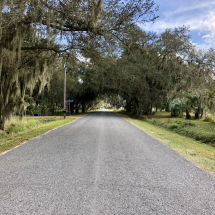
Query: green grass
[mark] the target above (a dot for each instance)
(199, 130)
(201, 154)
(17, 131)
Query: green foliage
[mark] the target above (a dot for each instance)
(197, 130)
(188, 103)
(208, 119)
(174, 126)
(210, 98)
(43, 107)
(29, 32)
(177, 107)
(30, 104)
(181, 124)
(15, 129)
(16, 77)
(108, 55)
(147, 74)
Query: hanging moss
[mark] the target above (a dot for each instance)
(16, 77)
(98, 10)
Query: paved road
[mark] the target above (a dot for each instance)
(101, 164)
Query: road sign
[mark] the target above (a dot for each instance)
(69, 100)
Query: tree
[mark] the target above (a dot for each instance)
(33, 28)
(177, 107)
(16, 77)
(150, 67)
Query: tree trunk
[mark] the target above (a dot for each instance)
(149, 109)
(45, 111)
(83, 104)
(134, 106)
(201, 112)
(53, 110)
(188, 116)
(76, 107)
(128, 105)
(72, 108)
(21, 115)
(140, 112)
(197, 113)
(2, 123)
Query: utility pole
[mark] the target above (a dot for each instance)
(64, 104)
(69, 107)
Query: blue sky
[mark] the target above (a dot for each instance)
(198, 14)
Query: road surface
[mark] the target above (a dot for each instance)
(101, 165)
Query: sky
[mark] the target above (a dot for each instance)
(199, 15)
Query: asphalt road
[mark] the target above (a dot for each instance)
(101, 164)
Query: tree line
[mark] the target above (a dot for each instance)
(107, 55)
(33, 33)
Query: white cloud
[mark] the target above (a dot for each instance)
(193, 6)
(200, 16)
(203, 46)
(81, 58)
(208, 25)
(206, 36)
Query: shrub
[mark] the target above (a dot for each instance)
(180, 125)
(154, 121)
(185, 123)
(189, 123)
(15, 128)
(174, 126)
(208, 119)
(177, 106)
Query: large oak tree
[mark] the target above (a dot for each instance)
(40, 28)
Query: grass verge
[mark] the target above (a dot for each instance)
(203, 155)
(18, 133)
(200, 130)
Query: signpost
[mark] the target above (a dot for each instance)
(69, 104)
(64, 104)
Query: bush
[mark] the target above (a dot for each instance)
(189, 123)
(208, 119)
(154, 120)
(15, 128)
(177, 106)
(174, 126)
(185, 123)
